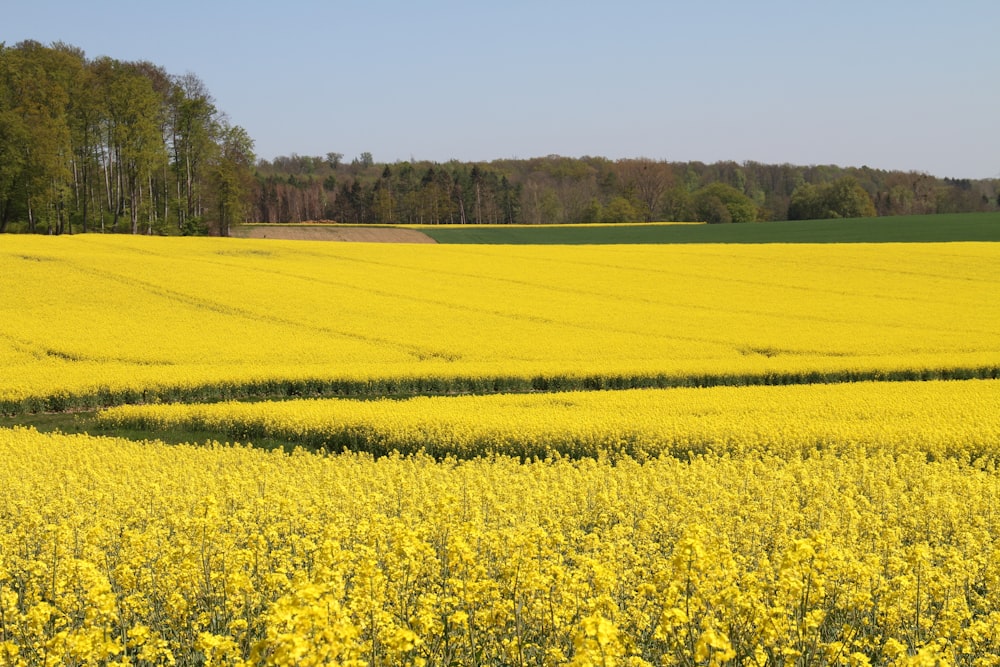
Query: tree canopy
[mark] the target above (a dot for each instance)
(111, 145)
(556, 189)
(843, 198)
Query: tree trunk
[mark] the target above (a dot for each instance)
(86, 187)
(152, 206)
(166, 197)
(135, 194)
(479, 205)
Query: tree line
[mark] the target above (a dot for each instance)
(107, 145)
(557, 189)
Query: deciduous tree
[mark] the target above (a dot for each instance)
(718, 202)
(843, 198)
(232, 176)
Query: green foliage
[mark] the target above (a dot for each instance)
(621, 209)
(93, 143)
(807, 203)
(849, 200)
(556, 189)
(678, 205)
(231, 175)
(33, 123)
(194, 226)
(719, 203)
(843, 198)
(593, 212)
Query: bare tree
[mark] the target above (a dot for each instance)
(647, 180)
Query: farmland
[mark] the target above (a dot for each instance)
(644, 454)
(936, 228)
(116, 549)
(98, 320)
(937, 418)
(893, 229)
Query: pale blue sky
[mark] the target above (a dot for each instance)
(892, 84)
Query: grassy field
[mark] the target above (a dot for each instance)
(901, 229)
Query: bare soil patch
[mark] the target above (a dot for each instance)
(331, 233)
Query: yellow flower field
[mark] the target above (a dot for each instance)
(941, 419)
(115, 552)
(97, 319)
(824, 519)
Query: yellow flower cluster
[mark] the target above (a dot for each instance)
(121, 553)
(124, 318)
(939, 418)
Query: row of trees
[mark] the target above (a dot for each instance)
(109, 145)
(402, 193)
(124, 146)
(557, 189)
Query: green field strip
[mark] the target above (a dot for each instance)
(897, 229)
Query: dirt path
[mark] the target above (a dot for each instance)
(331, 233)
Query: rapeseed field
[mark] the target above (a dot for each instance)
(97, 320)
(832, 517)
(116, 552)
(942, 419)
